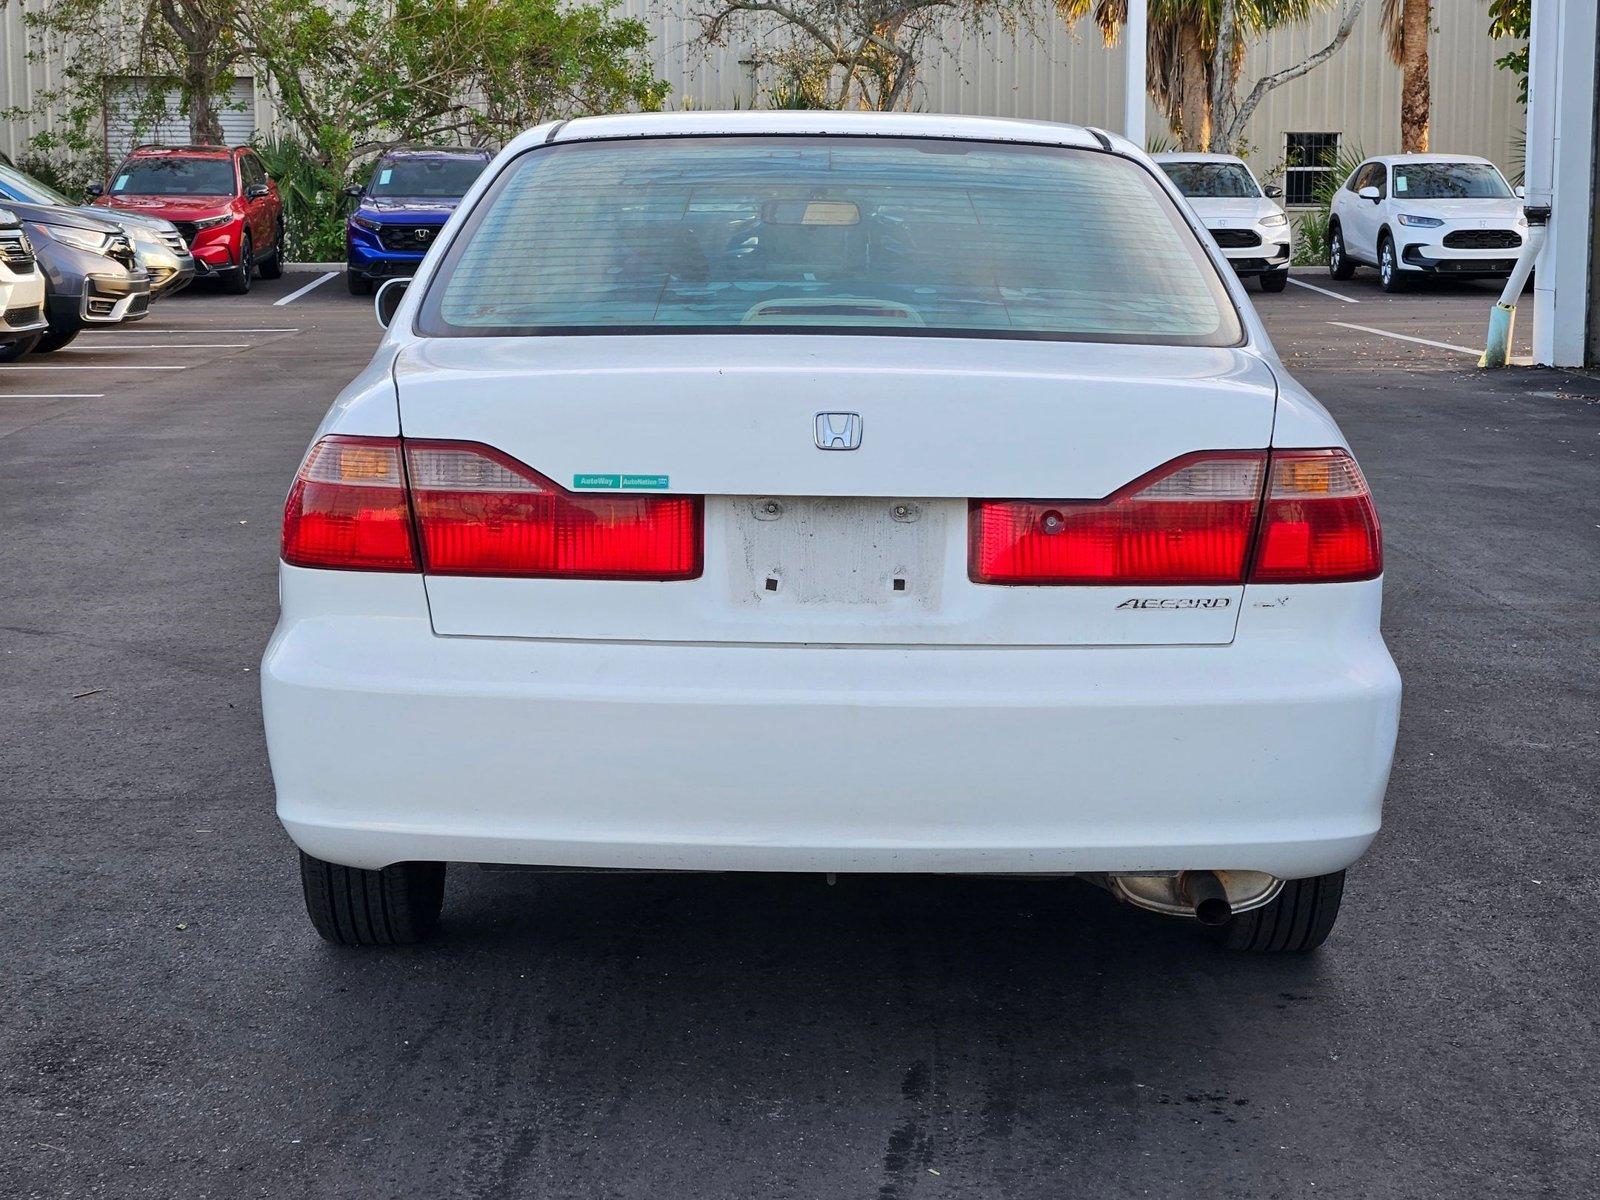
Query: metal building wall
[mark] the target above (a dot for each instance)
(1042, 70)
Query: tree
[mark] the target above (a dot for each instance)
(845, 53)
(350, 77)
(1406, 25)
(1513, 19)
(357, 78)
(126, 58)
(1196, 56)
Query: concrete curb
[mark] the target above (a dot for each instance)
(309, 266)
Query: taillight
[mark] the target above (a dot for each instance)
(480, 512)
(1320, 525)
(348, 508)
(1187, 522)
(1192, 522)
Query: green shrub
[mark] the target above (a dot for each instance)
(70, 176)
(1311, 229)
(313, 206)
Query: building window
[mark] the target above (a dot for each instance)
(1309, 159)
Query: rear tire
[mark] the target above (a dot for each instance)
(272, 264)
(1298, 919)
(1340, 264)
(1274, 281)
(359, 285)
(54, 339)
(237, 281)
(12, 351)
(350, 906)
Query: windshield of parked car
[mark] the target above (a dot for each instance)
(425, 178)
(815, 234)
(1212, 181)
(1449, 181)
(14, 185)
(174, 177)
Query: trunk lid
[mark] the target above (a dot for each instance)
(859, 547)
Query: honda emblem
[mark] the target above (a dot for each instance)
(838, 430)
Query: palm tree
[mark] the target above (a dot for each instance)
(1405, 25)
(1182, 43)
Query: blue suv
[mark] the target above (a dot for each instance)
(401, 208)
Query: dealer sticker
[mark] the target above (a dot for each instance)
(652, 482)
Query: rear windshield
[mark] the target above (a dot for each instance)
(1212, 180)
(812, 234)
(432, 178)
(1449, 181)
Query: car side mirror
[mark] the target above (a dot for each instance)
(1370, 193)
(257, 191)
(1273, 192)
(353, 190)
(94, 191)
(1522, 192)
(387, 302)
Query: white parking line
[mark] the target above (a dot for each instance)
(1406, 337)
(1311, 287)
(65, 367)
(107, 349)
(52, 395)
(315, 283)
(202, 331)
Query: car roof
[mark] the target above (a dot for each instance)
(438, 152)
(185, 151)
(819, 122)
(1401, 159)
(1196, 156)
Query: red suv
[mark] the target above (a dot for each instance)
(220, 199)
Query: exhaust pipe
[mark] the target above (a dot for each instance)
(1203, 892)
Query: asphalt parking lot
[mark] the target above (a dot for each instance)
(171, 1027)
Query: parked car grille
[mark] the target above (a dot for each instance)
(187, 229)
(24, 316)
(15, 250)
(407, 237)
(1236, 239)
(175, 240)
(121, 250)
(1483, 239)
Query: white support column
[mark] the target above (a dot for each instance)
(1560, 172)
(1134, 36)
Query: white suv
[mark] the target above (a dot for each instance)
(1244, 218)
(22, 291)
(1411, 215)
(829, 492)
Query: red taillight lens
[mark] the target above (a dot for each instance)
(348, 509)
(1188, 522)
(1320, 525)
(480, 512)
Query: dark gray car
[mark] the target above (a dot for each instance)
(158, 246)
(91, 275)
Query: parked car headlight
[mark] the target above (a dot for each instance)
(366, 223)
(1274, 219)
(82, 239)
(212, 222)
(1419, 222)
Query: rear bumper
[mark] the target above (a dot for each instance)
(389, 743)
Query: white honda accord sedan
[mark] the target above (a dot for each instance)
(800, 491)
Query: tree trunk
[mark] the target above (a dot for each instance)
(205, 127)
(1415, 96)
(1193, 96)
